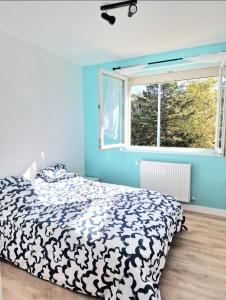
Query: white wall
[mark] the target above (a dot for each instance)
(41, 111)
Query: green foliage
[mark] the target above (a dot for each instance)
(144, 117)
(188, 113)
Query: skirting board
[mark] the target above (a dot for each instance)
(1, 294)
(205, 210)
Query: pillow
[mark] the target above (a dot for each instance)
(55, 173)
(12, 180)
(54, 167)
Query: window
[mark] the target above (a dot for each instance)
(112, 106)
(175, 114)
(183, 108)
(221, 112)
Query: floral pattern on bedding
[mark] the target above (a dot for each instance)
(95, 238)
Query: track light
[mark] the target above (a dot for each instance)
(110, 19)
(132, 10)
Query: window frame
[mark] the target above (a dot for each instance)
(164, 77)
(221, 150)
(113, 74)
(171, 77)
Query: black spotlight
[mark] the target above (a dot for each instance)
(110, 19)
(132, 10)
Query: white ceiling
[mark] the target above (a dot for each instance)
(74, 29)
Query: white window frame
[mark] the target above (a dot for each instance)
(176, 76)
(221, 150)
(224, 118)
(170, 77)
(102, 146)
(158, 79)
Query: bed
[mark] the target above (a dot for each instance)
(95, 238)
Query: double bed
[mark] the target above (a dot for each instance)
(95, 238)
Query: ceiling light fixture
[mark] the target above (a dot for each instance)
(111, 19)
(132, 10)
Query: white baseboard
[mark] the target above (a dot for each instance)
(205, 210)
(1, 293)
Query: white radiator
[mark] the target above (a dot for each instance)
(170, 178)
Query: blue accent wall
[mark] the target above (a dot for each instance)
(116, 166)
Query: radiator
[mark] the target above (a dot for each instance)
(170, 178)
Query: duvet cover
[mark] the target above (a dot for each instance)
(95, 238)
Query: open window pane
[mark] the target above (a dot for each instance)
(144, 114)
(112, 110)
(220, 142)
(221, 121)
(188, 113)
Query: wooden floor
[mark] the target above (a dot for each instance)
(195, 270)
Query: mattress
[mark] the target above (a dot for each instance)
(95, 238)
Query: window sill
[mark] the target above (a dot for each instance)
(171, 150)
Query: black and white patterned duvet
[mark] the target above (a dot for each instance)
(99, 239)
